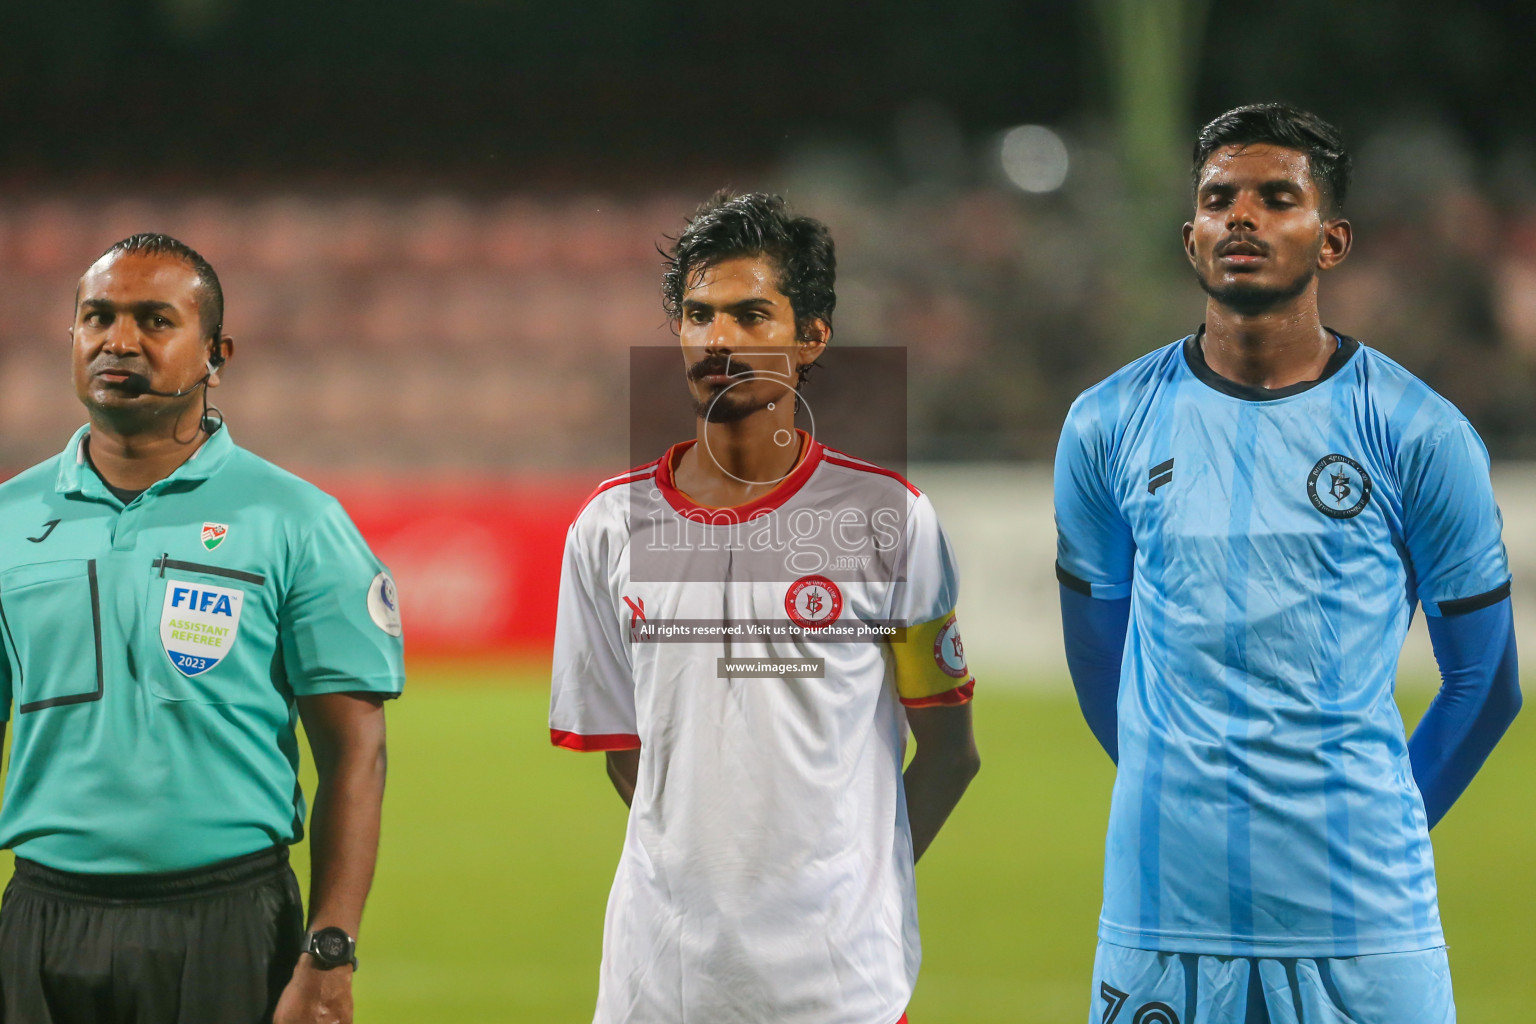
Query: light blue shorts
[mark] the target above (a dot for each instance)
(1143, 986)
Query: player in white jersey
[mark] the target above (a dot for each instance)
(752, 691)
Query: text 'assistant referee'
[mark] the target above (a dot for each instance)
(198, 623)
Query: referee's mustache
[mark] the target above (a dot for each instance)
(136, 372)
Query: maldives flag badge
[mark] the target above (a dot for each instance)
(214, 534)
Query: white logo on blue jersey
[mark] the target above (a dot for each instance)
(198, 623)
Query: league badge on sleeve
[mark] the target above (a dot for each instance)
(384, 604)
(198, 623)
(214, 534)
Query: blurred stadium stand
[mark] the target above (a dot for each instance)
(436, 223)
(476, 333)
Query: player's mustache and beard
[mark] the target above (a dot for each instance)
(729, 403)
(1247, 298)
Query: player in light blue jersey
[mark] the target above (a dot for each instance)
(1246, 520)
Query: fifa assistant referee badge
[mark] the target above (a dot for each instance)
(331, 947)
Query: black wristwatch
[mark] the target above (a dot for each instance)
(331, 947)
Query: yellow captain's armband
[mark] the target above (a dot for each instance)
(930, 665)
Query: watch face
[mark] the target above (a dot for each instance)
(333, 945)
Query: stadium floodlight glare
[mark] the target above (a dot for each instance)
(1034, 158)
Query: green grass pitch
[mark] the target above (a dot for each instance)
(498, 851)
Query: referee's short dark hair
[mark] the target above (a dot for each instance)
(210, 294)
(1280, 124)
(753, 225)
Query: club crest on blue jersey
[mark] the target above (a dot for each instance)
(1339, 486)
(198, 624)
(1155, 1013)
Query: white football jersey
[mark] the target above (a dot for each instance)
(759, 658)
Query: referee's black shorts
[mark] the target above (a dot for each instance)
(213, 945)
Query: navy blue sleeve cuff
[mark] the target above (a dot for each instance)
(1463, 605)
(1102, 591)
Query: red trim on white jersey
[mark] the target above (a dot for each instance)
(600, 741)
(959, 695)
(734, 514)
(638, 473)
(838, 458)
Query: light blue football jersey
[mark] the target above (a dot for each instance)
(1274, 545)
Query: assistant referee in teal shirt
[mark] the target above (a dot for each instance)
(171, 607)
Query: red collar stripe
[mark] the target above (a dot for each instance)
(837, 458)
(782, 492)
(644, 472)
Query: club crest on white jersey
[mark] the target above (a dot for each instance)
(813, 602)
(198, 624)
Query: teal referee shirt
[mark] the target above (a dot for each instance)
(153, 653)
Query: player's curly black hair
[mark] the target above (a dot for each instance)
(754, 224)
(1280, 124)
(210, 294)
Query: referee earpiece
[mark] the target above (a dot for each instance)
(215, 360)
